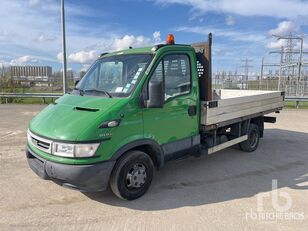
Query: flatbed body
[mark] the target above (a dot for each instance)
(233, 104)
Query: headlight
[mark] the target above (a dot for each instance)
(74, 150)
(62, 149)
(85, 150)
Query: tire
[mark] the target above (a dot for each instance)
(252, 142)
(132, 175)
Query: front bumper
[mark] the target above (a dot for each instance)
(86, 178)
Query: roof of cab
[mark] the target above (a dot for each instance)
(144, 50)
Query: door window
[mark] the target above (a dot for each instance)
(174, 70)
(157, 75)
(176, 75)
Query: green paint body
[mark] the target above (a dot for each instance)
(61, 121)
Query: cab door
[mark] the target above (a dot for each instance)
(175, 126)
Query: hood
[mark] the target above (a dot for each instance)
(72, 115)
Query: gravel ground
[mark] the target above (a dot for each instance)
(230, 190)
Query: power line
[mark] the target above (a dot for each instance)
(290, 64)
(246, 67)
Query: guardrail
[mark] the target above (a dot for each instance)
(29, 95)
(296, 99)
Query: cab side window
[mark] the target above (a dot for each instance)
(174, 71)
(157, 75)
(176, 75)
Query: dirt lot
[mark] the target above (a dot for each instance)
(230, 190)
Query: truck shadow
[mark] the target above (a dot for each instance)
(227, 175)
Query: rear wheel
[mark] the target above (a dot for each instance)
(252, 142)
(132, 175)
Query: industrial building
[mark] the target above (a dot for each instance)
(31, 75)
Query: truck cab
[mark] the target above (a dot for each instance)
(133, 111)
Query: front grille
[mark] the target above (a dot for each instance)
(42, 144)
(39, 142)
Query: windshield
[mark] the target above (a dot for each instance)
(114, 76)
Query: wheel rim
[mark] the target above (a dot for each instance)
(136, 176)
(253, 138)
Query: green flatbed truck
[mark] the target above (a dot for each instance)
(136, 109)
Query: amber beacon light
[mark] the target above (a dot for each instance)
(170, 39)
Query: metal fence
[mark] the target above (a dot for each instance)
(6, 96)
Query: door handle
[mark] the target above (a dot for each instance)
(192, 110)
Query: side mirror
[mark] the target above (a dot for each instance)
(156, 95)
(77, 81)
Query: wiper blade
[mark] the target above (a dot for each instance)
(98, 90)
(81, 92)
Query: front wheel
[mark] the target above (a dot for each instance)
(252, 142)
(132, 175)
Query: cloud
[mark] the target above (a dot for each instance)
(230, 34)
(230, 20)
(34, 29)
(121, 43)
(135, 41)
(44, 38)
(221, 52)
(126, 41)
(60, 56)
(285, 28)
(81, 57)
(4, 64)
(271, 8)
(130, 40)
(157, 37)
(24, 60)
(86, 57)
(4, 35)
(34, 2)
(22, 29)
(275, 44)
(85, 67)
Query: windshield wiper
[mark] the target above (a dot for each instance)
(81, 92)
(99, 91)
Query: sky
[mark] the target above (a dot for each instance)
(30, 30)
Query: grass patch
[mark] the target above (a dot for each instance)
(292, 105)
